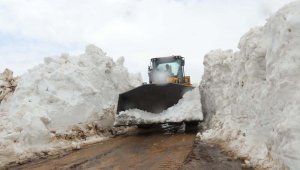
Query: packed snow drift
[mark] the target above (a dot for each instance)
(187, 109)
(253, 95)
(61, 99)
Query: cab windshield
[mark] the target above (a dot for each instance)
(171, 67)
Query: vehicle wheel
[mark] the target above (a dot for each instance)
(145, 126)
(191, 126)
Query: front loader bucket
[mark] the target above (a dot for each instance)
(151, 97)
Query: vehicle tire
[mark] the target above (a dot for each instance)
(191, 126)
(145, 126)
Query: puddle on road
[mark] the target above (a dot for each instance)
(209, 156)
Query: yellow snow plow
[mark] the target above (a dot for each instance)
(167, 84)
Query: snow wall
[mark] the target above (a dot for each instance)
(62, 93)
(252, 96)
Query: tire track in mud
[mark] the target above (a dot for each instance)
(133, 151)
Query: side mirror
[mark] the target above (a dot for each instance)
(183, 62)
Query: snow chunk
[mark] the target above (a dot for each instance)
(8, 84)
(187, 109)
(253, 95)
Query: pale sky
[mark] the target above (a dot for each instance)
(136, 29)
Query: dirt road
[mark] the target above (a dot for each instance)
(140, 151)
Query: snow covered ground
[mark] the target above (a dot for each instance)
(253, 94)
(187, 109)
(60, 101)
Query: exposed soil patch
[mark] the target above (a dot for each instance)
(143, 149)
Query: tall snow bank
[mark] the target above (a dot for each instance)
(254, 94)
(187, 109)
(62, 93)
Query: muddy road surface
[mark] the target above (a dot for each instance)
(141, 150)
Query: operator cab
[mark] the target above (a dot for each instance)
(167, 70)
